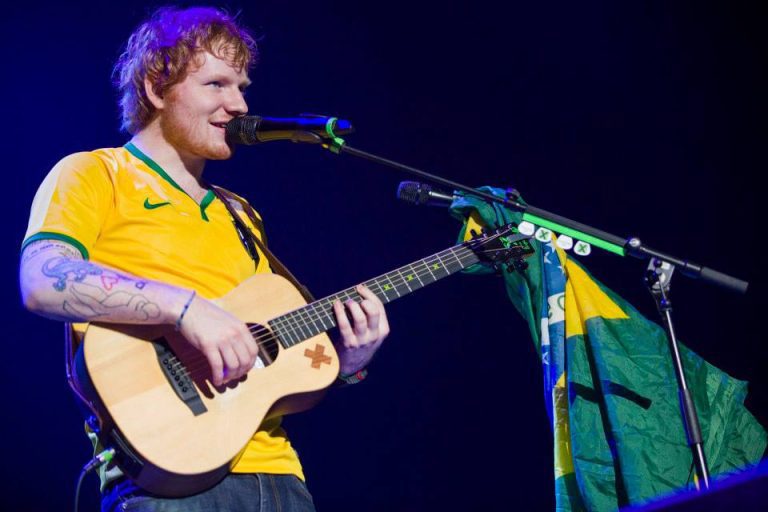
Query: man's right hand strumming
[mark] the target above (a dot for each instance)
(226, 342)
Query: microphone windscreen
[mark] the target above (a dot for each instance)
(413, 192)
(242, 130)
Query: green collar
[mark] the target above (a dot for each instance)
(209, 196)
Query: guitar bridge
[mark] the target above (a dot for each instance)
(178, 377)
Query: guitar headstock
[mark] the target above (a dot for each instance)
(502, 246)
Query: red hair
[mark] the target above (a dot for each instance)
(164, 47)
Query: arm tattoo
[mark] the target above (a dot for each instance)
(89, 301)
(41, 246)
(61, 267)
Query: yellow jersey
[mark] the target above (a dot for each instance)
(119, 208)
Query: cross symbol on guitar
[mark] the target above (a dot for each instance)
(318, 356)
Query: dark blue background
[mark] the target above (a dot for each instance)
(641, 118)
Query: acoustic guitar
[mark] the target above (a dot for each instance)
(174, 432)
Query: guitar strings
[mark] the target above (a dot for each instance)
(268, 339)
(306, 312)
(309, 312)
(461, 252)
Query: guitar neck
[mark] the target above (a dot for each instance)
(308, 321)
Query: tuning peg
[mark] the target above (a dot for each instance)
(518, 265)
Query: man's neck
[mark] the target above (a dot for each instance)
(186, 170)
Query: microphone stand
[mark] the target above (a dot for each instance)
(657, 277)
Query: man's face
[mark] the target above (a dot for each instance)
(196, 110)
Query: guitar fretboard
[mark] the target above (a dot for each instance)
(310, 320)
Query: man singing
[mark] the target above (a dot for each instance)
(135, 235)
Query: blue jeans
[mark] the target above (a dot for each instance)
(236, 493)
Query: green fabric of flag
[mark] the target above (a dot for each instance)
(610, 387)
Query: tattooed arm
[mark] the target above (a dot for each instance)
(56, 282)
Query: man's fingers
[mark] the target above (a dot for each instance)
(345, 329)
(366, 293)
(244, 358)
(231, 363)
(373, 314)
(217, 365)
(358, 318)
(250, 343)
(374, 308)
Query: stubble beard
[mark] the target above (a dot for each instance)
(185, 133)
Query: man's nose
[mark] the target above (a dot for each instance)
(236, 104)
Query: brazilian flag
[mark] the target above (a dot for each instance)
(609, 384)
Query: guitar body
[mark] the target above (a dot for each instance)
(178, 440)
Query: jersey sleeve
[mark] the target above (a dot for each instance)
(72, 203)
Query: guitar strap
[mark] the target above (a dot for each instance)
(249, 239)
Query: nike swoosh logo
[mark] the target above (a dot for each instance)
(150, 206)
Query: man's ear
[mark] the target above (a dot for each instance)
(154, 98)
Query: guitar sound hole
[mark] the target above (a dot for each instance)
(268, 345)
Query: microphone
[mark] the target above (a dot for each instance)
(305, 128)
(421, 193)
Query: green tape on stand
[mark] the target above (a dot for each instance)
(597, 242)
